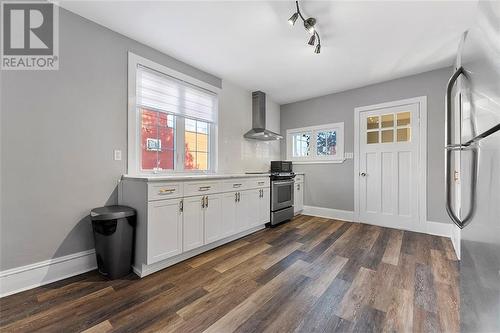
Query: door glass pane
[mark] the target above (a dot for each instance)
(372, 137)
(387, 120)
(284, 193)
(403, 134)
(326, 142)
(387, 135)
(403, 118)
(372, 122)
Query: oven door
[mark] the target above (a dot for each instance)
(282, 194)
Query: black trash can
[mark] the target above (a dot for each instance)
(114, 228)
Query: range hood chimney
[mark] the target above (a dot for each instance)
(259, 131)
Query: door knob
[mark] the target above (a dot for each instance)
(362, 174)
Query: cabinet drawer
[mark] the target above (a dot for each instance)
(157, 191)
(235, 185)
(299, 178)
(201, 188)
(259, 182)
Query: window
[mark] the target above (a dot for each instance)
(172, 120)
(383, 129)
(316, 144)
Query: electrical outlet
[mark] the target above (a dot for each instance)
(117, 154)
(348, 156)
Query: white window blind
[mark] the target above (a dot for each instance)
(164, 93)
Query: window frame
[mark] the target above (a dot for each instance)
(313, 156)
(134, 156)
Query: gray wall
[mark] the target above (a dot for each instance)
(332, 185)
(58, 132)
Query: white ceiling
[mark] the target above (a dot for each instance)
(251, 44)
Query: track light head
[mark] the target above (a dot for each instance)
(309, 24)
(312, 40)
(317, 50)
(293, 18)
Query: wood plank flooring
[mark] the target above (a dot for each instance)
(309, 275)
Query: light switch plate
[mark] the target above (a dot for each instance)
(117, 154)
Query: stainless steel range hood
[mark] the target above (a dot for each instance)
(259, 131)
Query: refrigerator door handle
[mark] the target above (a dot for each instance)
(449, 148)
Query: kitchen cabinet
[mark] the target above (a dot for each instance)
(298, 196)
(164, 229)
(215, 228)
(193, 212)
(247, 211)
(264, 206)
(178, 219)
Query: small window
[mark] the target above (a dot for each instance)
(316, 143)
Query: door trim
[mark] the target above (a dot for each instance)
(422, 151)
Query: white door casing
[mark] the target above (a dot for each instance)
(390, 164)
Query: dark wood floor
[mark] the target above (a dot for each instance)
(310, 275)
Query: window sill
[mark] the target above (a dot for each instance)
(319, 162)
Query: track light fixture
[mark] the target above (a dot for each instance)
(309, 25)
(312, 40)
(293, 18)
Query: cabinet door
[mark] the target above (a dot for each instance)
(265, 206)
(248, 209)
(193, 223)
(164, 230)
(214, 226)
(229, 219)
(298, 200)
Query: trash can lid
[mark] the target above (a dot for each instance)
(111, 212)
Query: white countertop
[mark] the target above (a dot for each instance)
(153, 177)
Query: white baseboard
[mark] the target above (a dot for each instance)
(38, 274)
(337, 214)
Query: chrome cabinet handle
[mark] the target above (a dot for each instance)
(449, 147)
(206, 201)
(204, 188)
(236, 197)
(261, 183)
(239, 196)
(237, 185)
(181, 206)
(362, 174)
(298, 187)
(203, 202)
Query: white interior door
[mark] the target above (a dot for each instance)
(389, 166)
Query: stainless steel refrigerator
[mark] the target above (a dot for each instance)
(473, 168)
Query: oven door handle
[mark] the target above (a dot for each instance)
(283, 182)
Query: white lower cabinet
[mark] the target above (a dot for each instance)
(186, 223)
(229, 221)
(193, 233)
(298, 198)
(264, 206)
(164, 230)
(247, 211)
(214, 224)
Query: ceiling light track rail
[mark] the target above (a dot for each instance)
(309, 25)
